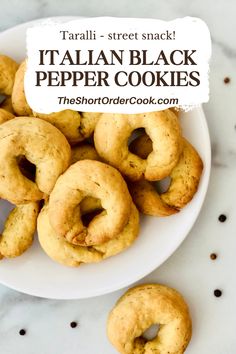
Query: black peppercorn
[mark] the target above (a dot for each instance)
(73, 324)
(217, 293)
(226, 80)
(213, 256)
(222, 218)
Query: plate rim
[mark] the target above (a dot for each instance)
(130, 280)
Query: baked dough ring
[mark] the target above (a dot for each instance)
(184, 183)
(86, 152)
(148, 200)
(7, 105)
(5, 116)
(43, 145)
(67, 121)
(72, 124)
(19, 230)
(94, 179)
(65, 253)
(19, 102)
(140, 308)
(111, 141)
(175, 110)
(89, 121)
(8, 68)
(57, 248)
(83, 152)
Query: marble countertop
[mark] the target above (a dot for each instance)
(190, 269)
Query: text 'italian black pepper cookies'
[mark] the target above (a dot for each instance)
(42, 145)
(95, 179)
(140, 308)
(111, 137)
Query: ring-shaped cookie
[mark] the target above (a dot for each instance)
(83, 179)
(140, 308)
(7, 105)
(83, 152)
(67, 121)
(8, 68)
(68, 254)
(19, 102)
(184, 181)
(86, 152)
(5, 116)
(88, 122)
(19, 229)
(41, 144)
(75, 126)
(111, 141)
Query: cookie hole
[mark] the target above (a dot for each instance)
(27, 168)
(135, 134)
(2, 99)
(163, 185)
(141, 145)
(88, 217)
(90, 207)
(151, 332)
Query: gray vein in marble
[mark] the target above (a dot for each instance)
(12, 299)
(229, 52)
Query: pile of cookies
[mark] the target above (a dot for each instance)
(79, 179)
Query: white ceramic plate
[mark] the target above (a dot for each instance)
(36, 274)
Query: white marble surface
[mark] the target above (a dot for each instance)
(190, 269)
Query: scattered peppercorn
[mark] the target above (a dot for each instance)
(73, 324)
(213, 256)
(217, 293)
(222, 218)
(22, 332)
(226, 80)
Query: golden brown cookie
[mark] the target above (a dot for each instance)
(19, 102)
(148, 200)
(124, 239)
(185, 178)
(59, 249)
(68, 254)
(95, 179)
(184, 182)
(7, 105)
(111, 142)
(83, 152)
(8, 68)
(86, 152)
(140, 308)
(175, 110)
(67, 121)
(88, 122)
(41, 144)
(5, 116)
(75, 126)
(19, 230)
